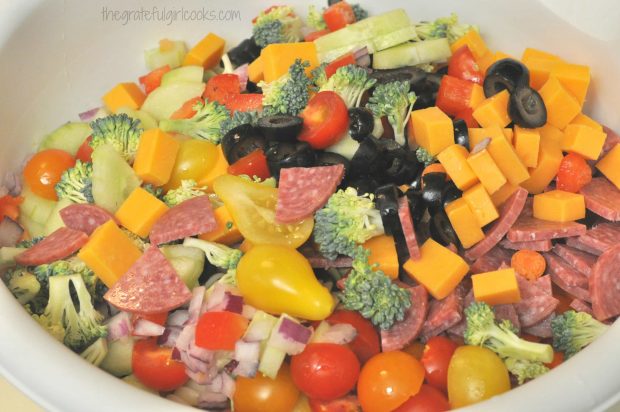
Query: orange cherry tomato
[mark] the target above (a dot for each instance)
(263, 394)
(44, 169)
(154, 367)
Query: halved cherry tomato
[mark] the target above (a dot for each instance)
(85, 151)
(341, 61)
(263, 394)
(346, 404)
(195, 159)
(220, 86)
(253, 164)
(244, 102)
(44, 169)
(326, 120)
(338, 15)
(467, 115)
(463, 66)
(436, 359)
(220, 330)
(158, 318)
(9, 206)
(574, 173)
(429, 399)
(152, 80)
(155, 368)
(187, 110)
(454, 95)
(316, 34)
(325, 371)
(366, 342)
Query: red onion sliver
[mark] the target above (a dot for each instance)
(195, 304)
(234, 303)
(89, 115)
(228, 385)
(10, 232)
(169, 338)
(178, 318)
(242, 73)
(145, 327)
(119, 326)
(248, 311)
(294, 331)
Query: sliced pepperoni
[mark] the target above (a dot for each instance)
(562, 269)
(151, 285)
(541, 329)
(603, 198)
(492, 260)
(602, 237)
(189, 218)
(537, 301)
(535, 245)
(509, 214)
(575, 243)
(581, 306)
(578, 259)
(605, 285)
(84, 217)
(61, 244)
(561, 272)
(610, 142)
(304, 190)
(405, 331)
(444, 313)
(527, 228)
(320, 262)
(459, 328)
(406, 223)
(507, 312)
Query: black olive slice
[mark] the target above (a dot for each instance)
(280, 127)
(505, 74)
(241, 141)
(526, 108)
(361, 123)
(461, 133)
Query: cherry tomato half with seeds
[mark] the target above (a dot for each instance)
(154, 367)
(326, 120)
(436, 359)
(44, 170)
(574, 173)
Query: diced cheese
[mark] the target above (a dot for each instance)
(140, 211)
(587, 121)
(124, 94)
(226, 232)
(531, 53)
(583, 140)
(499, 198)
(156, 155)
(432, 129)
(481, 204)
(609, 165)
(496, 288)
(487, 170)
(475, 43)
(277, 58)
(109, 253)
(476, 97)
(219, 168)
(255, 70)
(527, 145)
(478, 134)
(549, 159)
(454, 160)
(463, 220)
(559, 206)
(488, 59)
(439, 269)
(383, 253)
(562, 106)
(207, 53)
(508, 161)
(509, 134)
(493, 111)
(552, 133)
(540, 70)
(574, 77)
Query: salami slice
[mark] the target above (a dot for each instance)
(535, 245)
(405, 331)
(151, 285)
(603, 198)
(527, 228)
(320, 262)
(541, 329)
(60, 244)
(492, 260)
(581, 306)
(602, 237)
(406, 223)
(610, 142)
(459, 328)
(575, 243)
(562, 269)
(575, 291)
(605, 285)
(537, 301)
(578, 259)
(509, 214)
(443, 314)
(304, 190)
(84, 217)
(507, 312)
(189, 218)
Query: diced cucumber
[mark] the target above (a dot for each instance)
(345, 147)
(68, 137)
(172, 57)
(188, 262)
(7, 256)
(270, 361)
(113, 178)
(146, 120)
(260, 327)
(118, 360)
(412, 54)
(165, 100)
(55, 222)
(186, 74)
(34, 213)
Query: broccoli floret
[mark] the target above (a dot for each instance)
(373, 294)
(28, 243)
(119, 130)
(315, 18)
(22, 284)
(96, 352)
(525, 370)
(350, 82)
(319, 76)
(395, 101)
(269, 182)
(290, 93)
(443, 27)
(188, 190)
(78, 328)
(217, 254)
(424, 156)
(71, 266)
(360, 13)
(346, 221)
(205, 124)
(238, 118)
(573, 331)
(278, 24)
(482, 330)
(154, 190)
(76, 183)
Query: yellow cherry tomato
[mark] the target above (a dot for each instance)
(279, 279)
(475, 374)
(194, 160)
(253, 208)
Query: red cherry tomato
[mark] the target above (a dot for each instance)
(366, 343)
(463, 66)
(325, 371)
(220, 330)
(253, 164)
(326, 120)
(44, 169)
(9, 206)
(155, 368)
(436, 358)
(152, 80)
(338, 15)
(429, 399)
(316, 34)
(574, 173)
(346, 404)
(85, 151)
(454, 95)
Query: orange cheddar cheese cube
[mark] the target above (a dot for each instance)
(124, 94)
(478, 134)
(508, 161)
(583, 140)
(475, 43)
(109, 253)
(464, 222)
(509, 134)
(493, 111)
(277, 58)
(206, 53)
(559, 206)
(219, 168)
(383, 253)
(499, 198)
(226, 232)
(255, 70)
(609, 165)
(574, 77)
(139, 212)
(527, 145)
(477, 96)
(454, 160)
(432, 129)
(487, 171)
(496, 288)
(481, 204)
(488, 59)
(439, 269)
(155, 157)
(531, 53)
(549, 158)
(551, 133)
(540, 70)
(562, 106)
(587, 121)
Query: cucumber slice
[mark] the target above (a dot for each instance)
(270, 361)
(146, 120)
(68, 137)
(34, 213)
(113, 178)
(55, 222)
(165, 100)
(188, 262)
(118, 360)
(172, 57)
(7, 256)
(412, 54)
(187, 74)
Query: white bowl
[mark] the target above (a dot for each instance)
(59, 57)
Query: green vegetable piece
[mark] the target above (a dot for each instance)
(395, 101)
(120, 131)
(206, 124)
(278, 24)
(573, 331)
(76, 183)
(290, 93)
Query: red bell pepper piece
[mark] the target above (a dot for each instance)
(187, 110)
(341, 61)
(254, 164)
(338, 15)
(244, 102)
(316, 34)
(85, 151)
(152, 80)
(462, 65)
(219, 87)
(454, 95)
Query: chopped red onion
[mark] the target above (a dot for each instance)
(290, 336)
(12, 183)
(89, 115)
(216, 384)
(228, 385)
(178, 318)
(242, 73)
(195, 304)
(215, 300)
(247, 351)
(246, 369)
(145, 327)
(248, 311)
(340, 334)
(362, 58)
(10, 232)
(119, 326)
(175, 355)
(234, 303)
(169, 338)
(200, 377)
(259, 329)
(199, 353)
